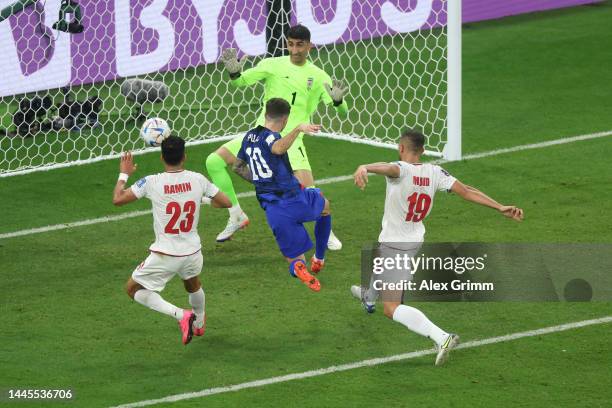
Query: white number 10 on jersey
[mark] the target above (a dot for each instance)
(259, 167)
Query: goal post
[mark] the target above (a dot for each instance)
(452, 149)
(64, 100)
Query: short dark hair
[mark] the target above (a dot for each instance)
(412, 139)
(277, 108)
(299, 32)
(173, 150)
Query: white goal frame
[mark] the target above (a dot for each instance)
(451, 151)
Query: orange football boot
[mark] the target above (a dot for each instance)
(301, 272)
(316, 265)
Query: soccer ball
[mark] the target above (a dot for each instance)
(154, 131)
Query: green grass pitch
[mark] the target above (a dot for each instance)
(66, 322)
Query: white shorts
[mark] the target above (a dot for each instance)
(395, 277)
(158, 269)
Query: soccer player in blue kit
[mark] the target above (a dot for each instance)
(263, 161)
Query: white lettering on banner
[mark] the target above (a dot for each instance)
(249, 43)
(55, 74)
(150, 17)
(406, 22)
(328, 32)
(209, 11)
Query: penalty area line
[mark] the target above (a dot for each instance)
(329, 180)
(364, 363)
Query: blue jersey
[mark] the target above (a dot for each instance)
(272, 173)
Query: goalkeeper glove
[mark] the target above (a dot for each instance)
(233, 65)
(337, 90)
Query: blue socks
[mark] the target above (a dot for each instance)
(292, 266)
(322, 230)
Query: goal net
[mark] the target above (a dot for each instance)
(77, 77)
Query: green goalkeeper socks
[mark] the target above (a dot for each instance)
(217, 170)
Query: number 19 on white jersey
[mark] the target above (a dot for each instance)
(409, 199)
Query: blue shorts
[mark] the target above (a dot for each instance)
(286, 218)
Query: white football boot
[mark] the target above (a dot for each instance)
(445, 348)
(369, 307)
(232, 227)
(333, 243)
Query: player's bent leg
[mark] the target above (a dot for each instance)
(197, 300)
(300, 163)
(153, 275)
(286, 222)
(416, 321)
(154, 301)
(189, 271)
(216, 165)
(303, 172)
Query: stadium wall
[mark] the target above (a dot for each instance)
(128, 38)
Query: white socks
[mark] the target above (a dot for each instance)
(154, 301)
(416, 321)
(235, 211)
(196, 300)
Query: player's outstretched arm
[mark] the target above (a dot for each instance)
(384, 169)
(480, 193)
(337, 91)
(234, 66)
(221, 200)
(474, 195)
(242, 169)
(122, 195)
(283, 144)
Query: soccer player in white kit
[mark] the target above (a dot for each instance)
(411, 187)
(175, 195)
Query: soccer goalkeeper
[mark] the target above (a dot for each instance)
(298, 81)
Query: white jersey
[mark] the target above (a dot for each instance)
(176, 199)
(409, 200)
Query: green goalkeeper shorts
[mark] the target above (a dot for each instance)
(297, 153)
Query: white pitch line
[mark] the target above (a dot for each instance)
(329, 180)
(131, 214)
(363, 363)
(91, 221)
(538, 145)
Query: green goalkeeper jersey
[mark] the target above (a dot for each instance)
(301, 86)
